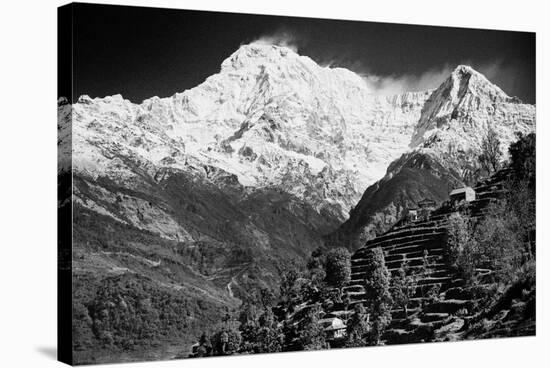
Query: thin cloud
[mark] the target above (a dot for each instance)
(503, 75)
(496, 71)
(281, 37)
(394, 84)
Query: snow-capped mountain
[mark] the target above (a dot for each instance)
(444, 148)
(458, 114)
(271, 117)
(210, 192)
(274, 119)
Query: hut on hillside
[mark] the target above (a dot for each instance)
(466, 194)
(334, 328)
(412, 214)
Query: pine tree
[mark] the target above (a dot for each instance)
(357, 326)
(312, 334)
(523, 158)
(404, 286)
(338, 267)
(377, 289)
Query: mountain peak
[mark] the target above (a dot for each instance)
(468, 102)
(464, 70)
(258, 53)
(466, 79)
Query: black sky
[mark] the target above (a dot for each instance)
(145, 52)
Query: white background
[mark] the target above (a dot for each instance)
(28, 181)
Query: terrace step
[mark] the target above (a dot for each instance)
(395, 239)
(353, 288)
(450, 306)
(432, 317)
(414, 258)
(434, 272)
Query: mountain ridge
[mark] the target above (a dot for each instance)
(295, 120)
(274, 119)
(444, 149)
(215, 190)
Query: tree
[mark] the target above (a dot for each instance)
(377, 290)
(316, 270)
(82, 327)
(429, 291)
(205, 346)
(404, 286)
(523, 158)
(263, 335)
(259, 329)
(357, 327)
(290, 289)
(226, 341)
(462, 250)
(269, 335)
(316, 260)
(248, 319)
(312, 334)
(500, 245)
(494, 243)
(266, 298)
(338, 267)
(491, 154)
(522, 193)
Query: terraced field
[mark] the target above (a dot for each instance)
(422, 244)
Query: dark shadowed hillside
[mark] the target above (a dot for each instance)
(415, 176)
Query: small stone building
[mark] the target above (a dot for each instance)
(466, 194)
(334, 328)
(412, 214)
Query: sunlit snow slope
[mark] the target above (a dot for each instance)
(270, 116)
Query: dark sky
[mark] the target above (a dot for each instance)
(145, 52)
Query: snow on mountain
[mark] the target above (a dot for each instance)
(271, 117)
(250, 169)
(274, 118)
(459, 113)
(443, 151)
